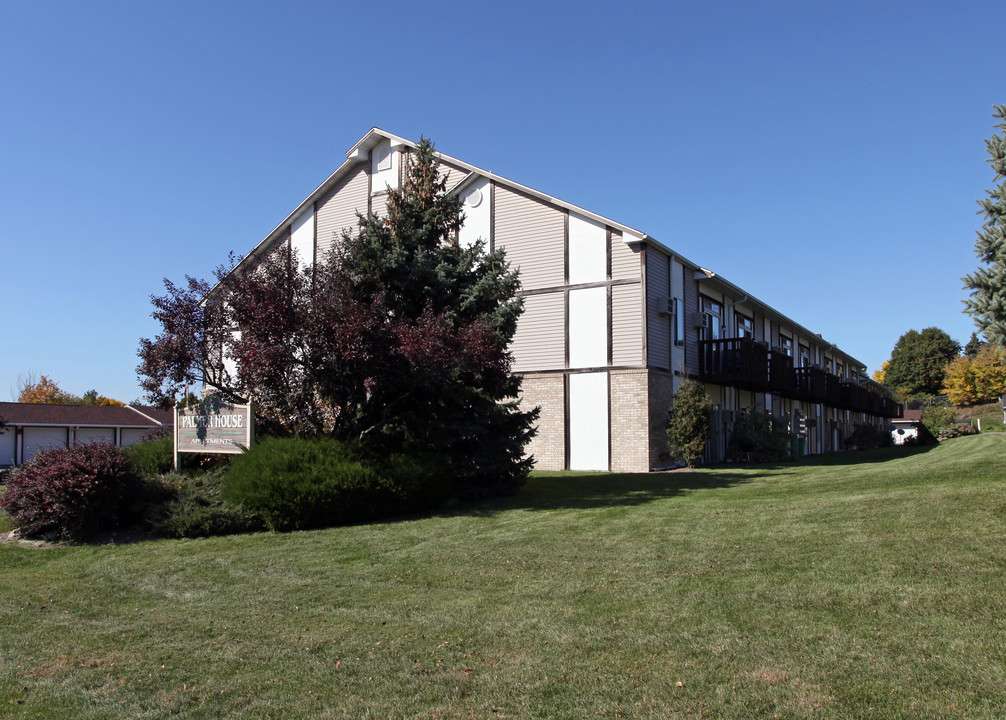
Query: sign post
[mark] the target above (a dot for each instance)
(213, 426)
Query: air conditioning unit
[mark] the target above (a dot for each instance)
(663, 305)
(698, 319)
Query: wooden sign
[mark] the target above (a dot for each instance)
(212, 426)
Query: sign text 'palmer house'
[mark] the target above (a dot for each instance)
(212, 426)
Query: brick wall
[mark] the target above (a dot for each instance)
(629, 420)
(549, 445)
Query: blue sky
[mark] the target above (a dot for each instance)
(825, 156)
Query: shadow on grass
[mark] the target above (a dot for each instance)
(572, 490)
(585, 490)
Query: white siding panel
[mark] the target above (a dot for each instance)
(337, 209)
(658, 321)
(588, 327)
(302, 238)
(540, 340)
(588, 260)
(476, 207)
(626, 325)
(384, 164)
(624, 259)
(42, 438)
(588, 421)
(532, 235)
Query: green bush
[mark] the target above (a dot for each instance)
(421, 481)
(956, 429)
(152, 457)
(197, 508)
(296, 483)
(936, 418)
(156, 456)
(760, 437)
(688, 423)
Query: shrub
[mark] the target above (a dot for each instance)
(72, 492)
(152, 457)
(760, 437)
(156, 456)
(867, 437)
(956, 429)
(297, 483)
(420, 480)
(197, 508)
(688, 422)
(936, 418)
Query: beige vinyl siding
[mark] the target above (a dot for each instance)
(626, 326)
(658, 320)
(624, 259)
(379, 204)
(691, 332)
(531, 232)
(453, 174)
(540, 340)
(337, 209)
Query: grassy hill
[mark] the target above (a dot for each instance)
(861, 586)
(991, 416)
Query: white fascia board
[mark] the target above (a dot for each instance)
(83, 425)
(143, 414)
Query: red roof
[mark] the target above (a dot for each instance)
(79, 415)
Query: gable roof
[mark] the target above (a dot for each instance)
(76, 415)
(360, 152)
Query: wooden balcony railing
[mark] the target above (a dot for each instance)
(740, 362)
(750, 365)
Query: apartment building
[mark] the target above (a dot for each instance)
(613, 321)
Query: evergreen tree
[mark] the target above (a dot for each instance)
(987, 304)
(397, 340)
(918, 361)
(688, 422)
(974, 346)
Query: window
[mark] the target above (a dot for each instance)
(382, 157)
(678, 321)
(713, 311)
(786, 344)
(745, 326)
(804, 356)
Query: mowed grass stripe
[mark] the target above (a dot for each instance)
(868, 585)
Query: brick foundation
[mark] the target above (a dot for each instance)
(549, 446)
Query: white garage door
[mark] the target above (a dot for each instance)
(86, 435)
(36, 439)
(7, 445)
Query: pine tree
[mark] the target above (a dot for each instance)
(987, 304)
(397, 340)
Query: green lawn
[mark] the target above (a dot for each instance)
(869, 585)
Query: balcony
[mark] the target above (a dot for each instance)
(750, 365)
(812, 384)
(740, 362)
